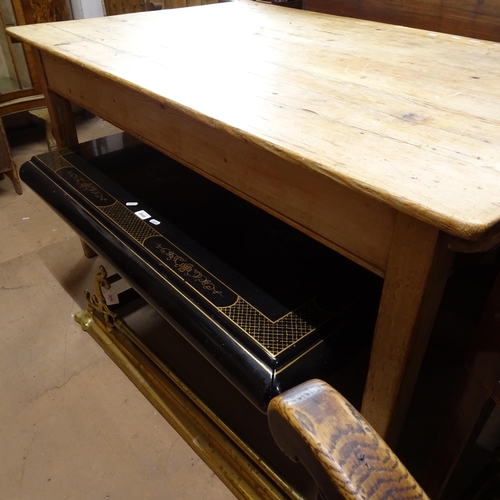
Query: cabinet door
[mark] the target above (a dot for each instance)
(14, 71)
(17, 72)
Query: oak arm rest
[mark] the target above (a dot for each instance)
(313, 424)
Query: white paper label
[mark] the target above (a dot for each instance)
(155, 222)
(142, 214)
(110, 296)
(132, 203)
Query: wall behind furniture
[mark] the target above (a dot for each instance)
(87, 8)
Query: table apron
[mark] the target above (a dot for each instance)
(350, 222)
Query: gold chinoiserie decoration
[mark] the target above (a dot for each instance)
(97, 302)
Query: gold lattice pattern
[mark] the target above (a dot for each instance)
(55, 160)
(276, 336)
(134, 226)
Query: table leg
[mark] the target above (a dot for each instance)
(61, 119)
(60, 111)
(418, 267)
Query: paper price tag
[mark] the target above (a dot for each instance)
(142, 214)
(110, 296)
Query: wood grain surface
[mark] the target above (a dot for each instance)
(315, 425)
(355, 132)
(404, 116)
(415, 278)
(357, 227)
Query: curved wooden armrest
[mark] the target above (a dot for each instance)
(315, 425)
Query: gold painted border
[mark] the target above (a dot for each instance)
(182, 294)
(266, 330)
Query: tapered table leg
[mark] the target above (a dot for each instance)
(419, 264)
(62, 122)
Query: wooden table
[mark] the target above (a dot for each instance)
(380, 141)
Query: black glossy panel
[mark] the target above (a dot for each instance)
(267, 305)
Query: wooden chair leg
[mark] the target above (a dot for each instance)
(7, 166)
(13, 175)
